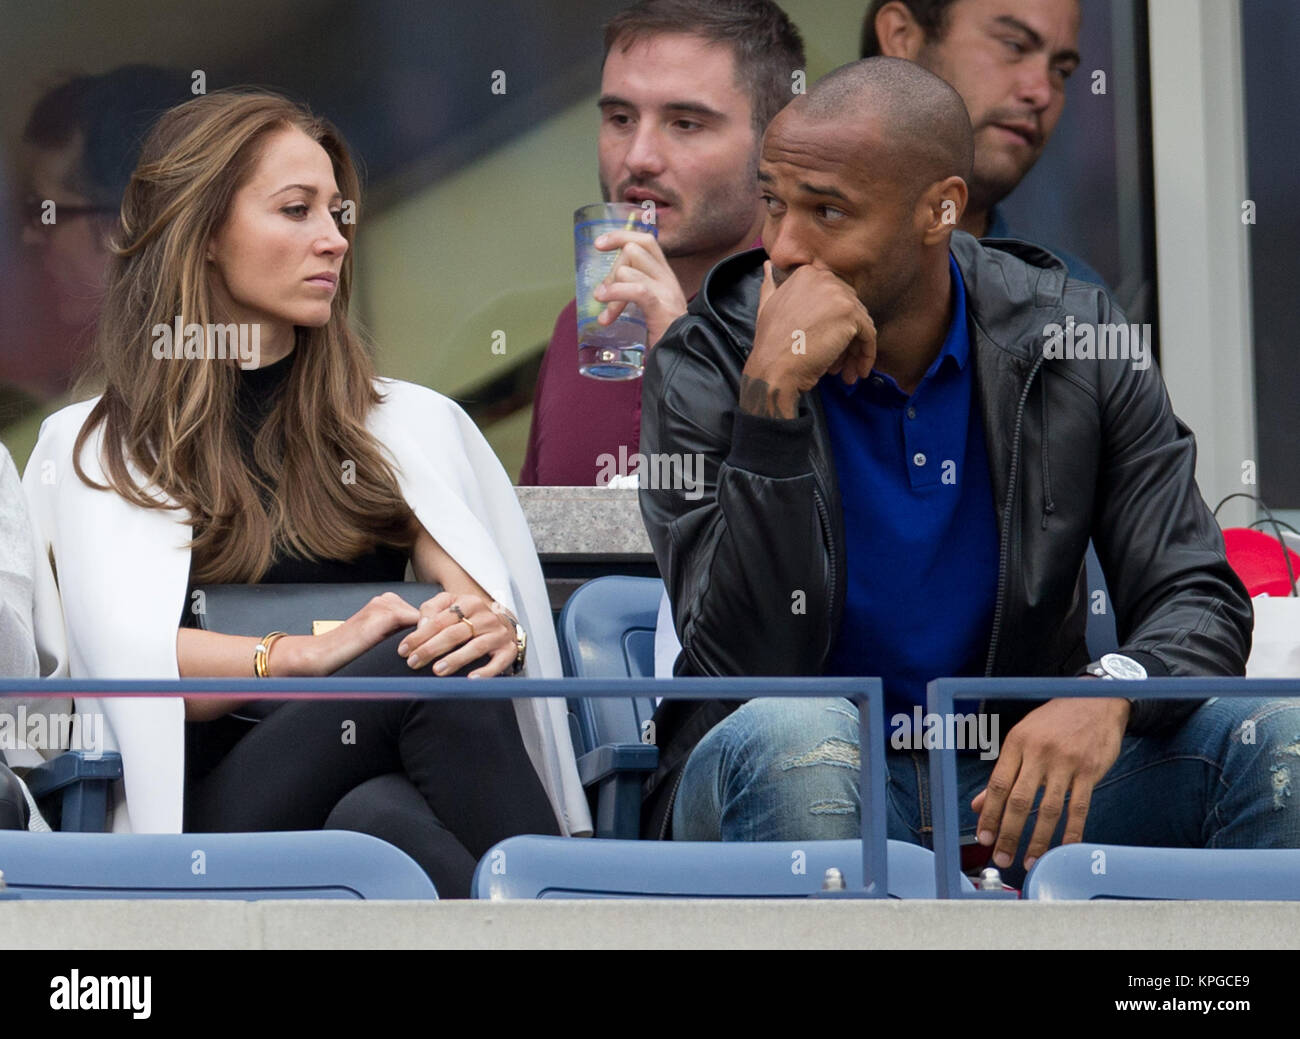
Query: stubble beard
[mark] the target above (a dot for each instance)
(716, 222)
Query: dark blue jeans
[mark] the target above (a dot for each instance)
(787, 770)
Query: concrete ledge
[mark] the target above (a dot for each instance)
(618, 924)
(140, 924)
(585, 523)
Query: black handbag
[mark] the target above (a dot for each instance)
(304, 609)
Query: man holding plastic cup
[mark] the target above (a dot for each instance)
(613, 332)
(687, 90)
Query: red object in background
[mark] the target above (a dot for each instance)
(1257, 559)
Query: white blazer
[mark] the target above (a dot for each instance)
(17, 578)
(22, 571)
(123, 573)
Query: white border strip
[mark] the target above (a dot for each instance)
(1202, 248)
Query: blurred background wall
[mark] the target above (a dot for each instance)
(465, 224)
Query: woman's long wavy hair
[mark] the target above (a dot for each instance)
(175, 422)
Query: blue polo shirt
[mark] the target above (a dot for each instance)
(920, 526)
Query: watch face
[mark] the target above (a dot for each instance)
(1119, 666)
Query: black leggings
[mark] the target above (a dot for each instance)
(443, 780)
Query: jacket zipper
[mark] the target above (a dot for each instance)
(672, 802)
(822, 473)
(824, 517)
(1006, 520)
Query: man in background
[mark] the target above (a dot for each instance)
(687, 89)
(79, 148)
(1009, 60)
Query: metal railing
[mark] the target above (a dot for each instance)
(865, 693)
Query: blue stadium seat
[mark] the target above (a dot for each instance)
(245, 866)
(607, 630)
(558, 867)
(1088, 871)
(1080, 872)
(80, 782)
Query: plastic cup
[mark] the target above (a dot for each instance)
(616, 350)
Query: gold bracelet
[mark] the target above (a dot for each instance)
(262, 654)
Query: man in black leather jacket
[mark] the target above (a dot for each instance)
(863, 179)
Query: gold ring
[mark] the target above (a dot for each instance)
(455, 608)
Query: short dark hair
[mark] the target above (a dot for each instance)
(930, 15)
(928, 135)
(764, 42)
(113, 112)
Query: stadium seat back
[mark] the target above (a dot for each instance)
(607, 630)
(553, 867)
(1082, 872)
(245, 866)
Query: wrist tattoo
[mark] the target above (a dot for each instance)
(757, 397)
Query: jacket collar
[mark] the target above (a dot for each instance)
(1013, 290)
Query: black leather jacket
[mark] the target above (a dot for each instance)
(1076, 449)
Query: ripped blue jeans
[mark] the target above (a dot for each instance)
(787, 770)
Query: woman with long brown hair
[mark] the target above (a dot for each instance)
(240, 436)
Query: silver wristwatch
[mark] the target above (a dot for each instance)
(1118, 666)
(521, 641)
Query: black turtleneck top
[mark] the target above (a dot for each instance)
(259, 389)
